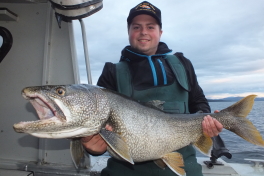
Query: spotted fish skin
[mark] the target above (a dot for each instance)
(150, 133)
(140, 133)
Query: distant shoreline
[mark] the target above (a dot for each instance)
(231, 99)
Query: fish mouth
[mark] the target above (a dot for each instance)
(45, 109)
(48, 112)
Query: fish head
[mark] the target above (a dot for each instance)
(65, 111)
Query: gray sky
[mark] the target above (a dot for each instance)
(223, 39)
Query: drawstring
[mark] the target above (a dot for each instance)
(154, 73)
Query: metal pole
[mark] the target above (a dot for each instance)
(88, 69)
(42, 157)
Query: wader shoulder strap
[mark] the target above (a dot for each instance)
(178, 70)
(123, 78)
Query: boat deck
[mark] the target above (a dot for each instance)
(234, 169)
(227, 169)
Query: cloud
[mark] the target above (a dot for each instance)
(223, 39)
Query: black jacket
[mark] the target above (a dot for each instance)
(143, 74)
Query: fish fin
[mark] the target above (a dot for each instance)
(242, 126)
(160, 163)
(204, 144)
(249, 132)
(175, 162)
(77, 153)
(246, 130)
(242, 107)
(117, 144)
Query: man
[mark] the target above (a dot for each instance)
(152, 76)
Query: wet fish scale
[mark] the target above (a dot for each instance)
(140, 133)
(140, 125)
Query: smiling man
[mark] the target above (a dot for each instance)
(147, 72)
(144, 34)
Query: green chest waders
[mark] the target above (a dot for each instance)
(176, 101)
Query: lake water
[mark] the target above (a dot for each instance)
(238, 147)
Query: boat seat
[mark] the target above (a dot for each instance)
(218, 150)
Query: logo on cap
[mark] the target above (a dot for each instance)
(145, 6)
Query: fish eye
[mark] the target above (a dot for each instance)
(60, 91)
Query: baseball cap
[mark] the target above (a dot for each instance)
(145, 8)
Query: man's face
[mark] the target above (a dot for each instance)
(144, 34)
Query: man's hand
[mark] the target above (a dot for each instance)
(95, 144)
(211, 126)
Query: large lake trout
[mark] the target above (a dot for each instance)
(140, 133)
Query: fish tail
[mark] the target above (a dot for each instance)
(239, 124)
